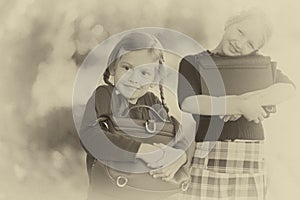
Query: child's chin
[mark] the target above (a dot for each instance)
(229, 53)
(129, 96)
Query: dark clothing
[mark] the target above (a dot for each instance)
(105, 100)
(189, 84)
(118, 150)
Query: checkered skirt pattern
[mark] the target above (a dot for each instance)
(229, 171)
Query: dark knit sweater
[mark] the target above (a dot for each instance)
(189, 84)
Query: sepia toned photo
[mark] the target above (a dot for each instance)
(146, 100)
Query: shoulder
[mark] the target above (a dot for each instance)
(102, 99)
(191, 60)
(254, 59)
(103, 92)
(103, 89)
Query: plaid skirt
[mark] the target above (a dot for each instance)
(227, 170)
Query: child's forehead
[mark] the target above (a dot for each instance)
(140, 56)
(252, 22)
(254, 30)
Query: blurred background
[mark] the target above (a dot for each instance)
(42, 45)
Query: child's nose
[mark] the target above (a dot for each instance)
(240, 43)
(133, 77)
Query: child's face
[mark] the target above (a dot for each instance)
(134, 73)
(242, 38)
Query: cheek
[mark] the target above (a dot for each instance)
(224, 43)
(116, 78)
(145, 87)
(226, 47)
(226, 36)
(144, 81)
(120, 76)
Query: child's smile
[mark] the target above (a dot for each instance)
(234, 48)
(242, 38)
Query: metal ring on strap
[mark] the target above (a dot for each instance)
(184, 186)
(148, 122)
(121, 181)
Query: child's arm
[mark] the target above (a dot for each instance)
(191, 100)
(248, 104)
(272, 95)
(183, 159)
(176, 156)
(175, 161)
(150, 153)
(210, 105)
(226, 105)
(282, 90)
(183, 151)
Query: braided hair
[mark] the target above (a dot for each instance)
(132, 42)
(161, 87)
(106, 76)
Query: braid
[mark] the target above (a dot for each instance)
(161, 71)
(162, 97)
(106, 76)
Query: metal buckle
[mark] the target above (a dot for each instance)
(148, 122)
(184, 186)
(121, 181)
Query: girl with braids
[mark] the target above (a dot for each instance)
(136, 64)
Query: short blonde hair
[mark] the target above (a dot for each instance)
(253, 13)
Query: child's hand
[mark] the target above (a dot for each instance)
(252, 110)
(170, 156)
(168, 172)
(227, 118)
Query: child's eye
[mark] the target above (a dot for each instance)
(240, 32)
(126, 67)
(145, 73)
(251, 45)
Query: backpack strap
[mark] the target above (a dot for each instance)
(90, 159)
(153, 111)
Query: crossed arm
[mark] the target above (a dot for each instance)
(248, 104)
